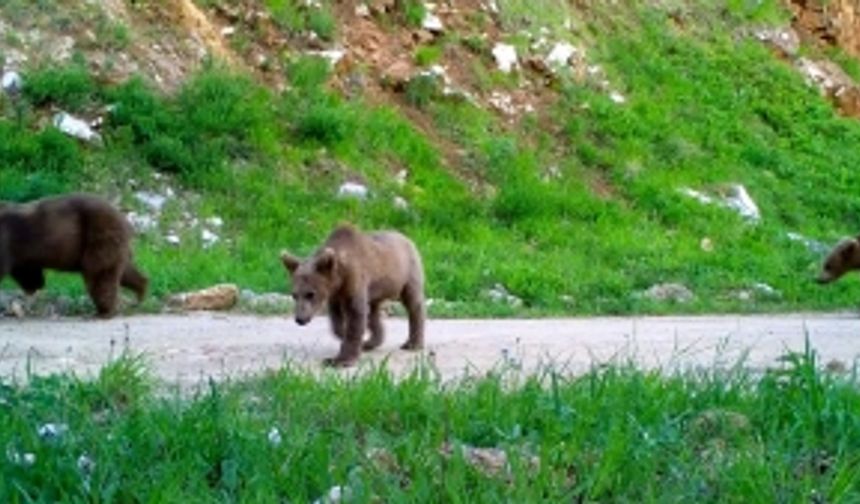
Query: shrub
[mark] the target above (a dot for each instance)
(69, 86)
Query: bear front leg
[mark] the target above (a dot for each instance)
(350, 347)
(30, 279)
(413, 301)
(374, 325)
(337, 319)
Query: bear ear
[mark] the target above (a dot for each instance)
(290, 261)
(325, 261)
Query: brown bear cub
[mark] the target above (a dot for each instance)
(354, 273)
(844, 257)
(75, 233)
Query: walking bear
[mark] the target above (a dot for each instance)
(844, 257)
(354, 273)
(75, 233)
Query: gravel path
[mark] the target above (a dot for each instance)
(185, 348)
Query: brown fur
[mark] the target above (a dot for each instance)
(353, 273)
(75, 233)
(844, 257)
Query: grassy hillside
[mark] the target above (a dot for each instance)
(574, 209)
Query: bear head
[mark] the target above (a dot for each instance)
(314, 281)
(844, 257)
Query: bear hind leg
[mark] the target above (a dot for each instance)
(413, 300)
(135, 281)
(103, 288)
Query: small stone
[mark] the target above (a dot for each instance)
(362, 10)
(432, 23)
(506, 57)
(16, 309)
(86, 464)
(617, 97)
(706, 244)
(52, 430)
(141, 223)
(12, 82)
(274, 436)
(400, 203)
(836, 366)
(75, 127)
(152, 200)
(353, 190)
(401, 177)
(217, 297)
(208, 238)
(669, 292)
(560, 55)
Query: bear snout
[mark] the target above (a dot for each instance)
(302, 321)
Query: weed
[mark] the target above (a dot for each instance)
(427, 55)
(69, 86)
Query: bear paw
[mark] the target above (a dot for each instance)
(339, 362)
(412, 346)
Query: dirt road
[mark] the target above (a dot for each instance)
(185, 348)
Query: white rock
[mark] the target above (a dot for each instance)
(86, 464)
(813, 246)
(766, 289)
(669, 292)
(785, 39)
(560, 55)
(142, 223)
(12, 82)
(215, 221)
(401, 177)
(697, 195)
(400, 203)
(274, 436)
(490, 6)
(208, 238)
(333, 56)
(25, 459)
(16, 309)
(506, 57)
(52, 430)
(172, 238)
(739, 200)
(228, 31)
(499, 294)
(617, 97)
(362, 10)
(432, 23)
(334, 495)
(75, 127)
(153, 200)
(353, 190)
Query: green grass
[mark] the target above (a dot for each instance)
(615, 434)
(704, 109)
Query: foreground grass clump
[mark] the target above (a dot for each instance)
(616, 434)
